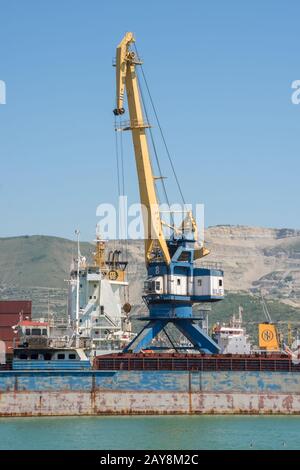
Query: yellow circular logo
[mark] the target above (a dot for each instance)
(113, 275)
(267, 335)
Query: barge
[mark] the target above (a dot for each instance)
(161, 391)
(152, 383)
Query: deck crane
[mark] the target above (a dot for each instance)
(268, 336)
(173, 283)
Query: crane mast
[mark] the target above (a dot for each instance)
(174, 284)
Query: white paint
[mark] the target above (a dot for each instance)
(209, 286)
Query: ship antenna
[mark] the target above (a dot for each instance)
(77, 233)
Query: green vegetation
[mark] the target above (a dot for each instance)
(29, 264)
(291, 248)
(253, 312)
(37, 261)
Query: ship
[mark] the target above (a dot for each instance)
(97, 321)
(232, 338)
(98, 302)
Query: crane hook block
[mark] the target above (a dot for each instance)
(118, 111)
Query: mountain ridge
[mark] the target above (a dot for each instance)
(254, 259)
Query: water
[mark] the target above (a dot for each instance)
(151, 432)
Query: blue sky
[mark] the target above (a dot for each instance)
(220, 74)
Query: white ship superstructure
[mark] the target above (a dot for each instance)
(232, 338)
(98, 309)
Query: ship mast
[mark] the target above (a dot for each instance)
(77, 232)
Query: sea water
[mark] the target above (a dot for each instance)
(151, 432)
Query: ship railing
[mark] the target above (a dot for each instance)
(132, 124)
(58, 322)
(196, 362)
(211, 265)
(136, 60)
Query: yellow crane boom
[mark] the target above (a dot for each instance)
(126, 78)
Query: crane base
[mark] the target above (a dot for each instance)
(194, 334)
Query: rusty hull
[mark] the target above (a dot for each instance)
(70, 393)
(13, 404)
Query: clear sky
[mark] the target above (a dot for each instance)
(220, 73)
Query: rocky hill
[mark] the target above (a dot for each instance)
(254, 260)
(258, 259)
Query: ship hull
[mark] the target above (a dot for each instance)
(71, 393)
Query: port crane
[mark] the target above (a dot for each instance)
(174, 283)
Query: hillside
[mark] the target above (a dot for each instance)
(254, 259)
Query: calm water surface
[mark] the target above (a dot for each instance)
(151, 432)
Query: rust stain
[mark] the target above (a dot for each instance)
(96, 402)
(261, 402)
(190, 394)
(93, 395)
(287, 402)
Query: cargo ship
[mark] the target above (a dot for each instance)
(222, 374)
(97, 322)
(64, 380)
(157, 384)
